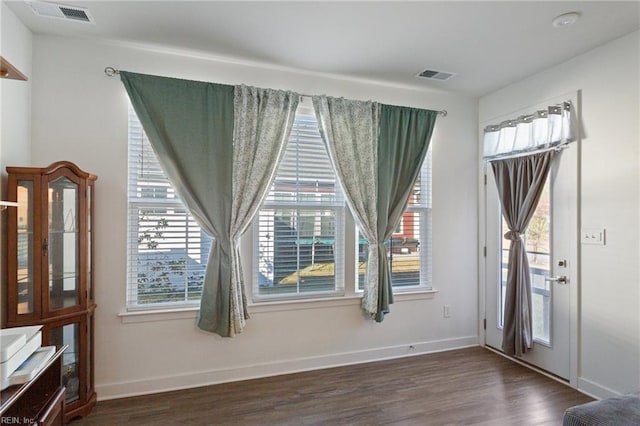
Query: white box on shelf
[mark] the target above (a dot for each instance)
(30, 367)
(14, 354)
(10, 337)
(10, 344)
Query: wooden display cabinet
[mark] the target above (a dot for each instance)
(50, 269)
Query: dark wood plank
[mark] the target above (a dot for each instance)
(462, 387)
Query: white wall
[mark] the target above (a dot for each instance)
(80, 115)
(15, 110)
(608, 79)
(15, 134)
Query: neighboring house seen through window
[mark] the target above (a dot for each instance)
(299, 231)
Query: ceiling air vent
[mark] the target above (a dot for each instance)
(436, 75)
(61, 11)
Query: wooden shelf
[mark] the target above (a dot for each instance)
(40, 400)
(9, 71)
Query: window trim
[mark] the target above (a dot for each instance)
(190, 313)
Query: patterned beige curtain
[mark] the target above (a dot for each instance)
(263, 119)
(350, 130)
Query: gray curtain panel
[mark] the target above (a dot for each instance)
(263, 121)
(520, 183)
(349, 130)
(403, 140)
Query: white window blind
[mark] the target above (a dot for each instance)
(299, 231)
(409, 248)
(167, 250)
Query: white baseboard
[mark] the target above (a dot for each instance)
(204, 378)
(595, 390)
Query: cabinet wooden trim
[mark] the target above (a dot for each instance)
(52, 168)
(54, 412)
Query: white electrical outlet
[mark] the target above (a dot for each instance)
(446, 311)
(594, 236)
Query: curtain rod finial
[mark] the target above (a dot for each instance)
(110, 71)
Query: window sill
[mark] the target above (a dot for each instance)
(127, 317)
(148, 315)
(414, 294)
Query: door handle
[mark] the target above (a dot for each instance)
(560, 279)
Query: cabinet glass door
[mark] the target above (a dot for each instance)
(25, 244)
(69, 335)
(63, 241)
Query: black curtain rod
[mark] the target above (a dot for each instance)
(112, 72)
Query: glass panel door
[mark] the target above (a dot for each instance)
(69, 335)
(25, 247)
(63, 244)
(552, 251)
(538, 243)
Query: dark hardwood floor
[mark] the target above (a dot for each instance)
(462, 387)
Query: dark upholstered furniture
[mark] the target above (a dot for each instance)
(616, 411)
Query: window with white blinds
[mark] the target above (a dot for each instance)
(299, 231)
(409, 248)
(167, 250)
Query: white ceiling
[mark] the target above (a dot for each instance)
(487, 44)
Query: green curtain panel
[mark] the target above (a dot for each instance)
(404, 136)
(520, 183)
(190, 126)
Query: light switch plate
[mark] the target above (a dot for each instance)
(596, 236)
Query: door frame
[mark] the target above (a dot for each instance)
(574, 304)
